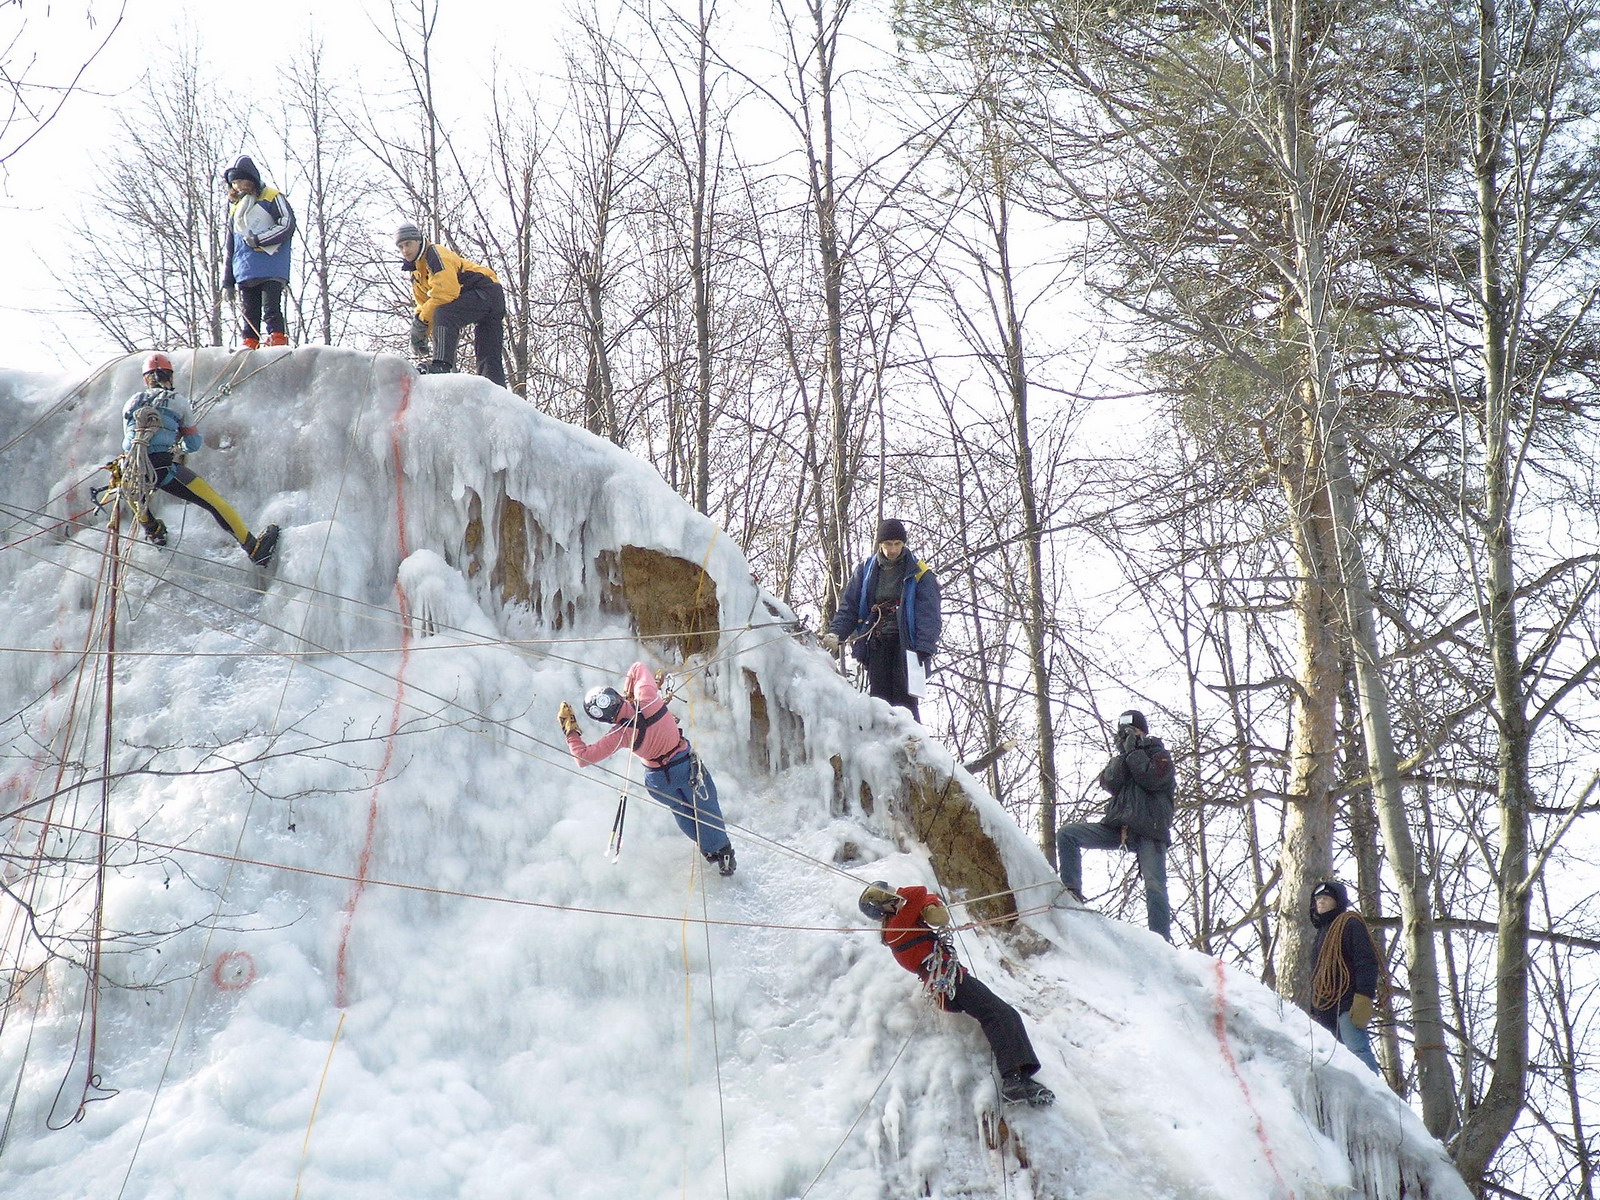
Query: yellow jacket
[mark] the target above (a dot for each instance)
(439, 277)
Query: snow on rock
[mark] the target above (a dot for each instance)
(362, 938)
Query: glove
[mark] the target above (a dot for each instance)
(661, 677)
(830, 642)
(230, 293)
(192, 442)
(568, 718)
(421, 340)
(1130, 741)
(252, 241)
(924, 657)
(1361, 1011)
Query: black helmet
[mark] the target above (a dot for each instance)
(603, 704)
(878, 900)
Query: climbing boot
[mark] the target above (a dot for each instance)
(260, 547)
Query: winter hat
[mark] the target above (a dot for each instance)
(1135, 718)
(243, 169)
(1330, 887)
(407, 233)
(890, 530)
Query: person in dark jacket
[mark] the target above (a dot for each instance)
(1344, 970)
(890, 608)
(916, 928)
(451, 292)
(260, 226)
(1141, 781)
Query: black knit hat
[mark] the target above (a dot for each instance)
(243, 169)
(1331, 887)
(407, 233)
(1135, 718)
(890, 530)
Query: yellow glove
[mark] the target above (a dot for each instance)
(568, 718)
(1361, 1011)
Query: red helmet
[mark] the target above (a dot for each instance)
(158, 362)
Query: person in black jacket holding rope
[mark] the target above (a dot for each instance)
(1344, 970)
(1141, 781)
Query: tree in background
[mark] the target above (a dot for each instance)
(148, 271)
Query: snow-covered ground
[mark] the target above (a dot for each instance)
(401, 963)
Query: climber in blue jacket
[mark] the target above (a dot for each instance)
(158, 427)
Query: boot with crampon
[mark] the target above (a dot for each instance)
(261, 546)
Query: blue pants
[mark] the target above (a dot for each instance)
(1357, 1042)
(1071, 840)
(687, 788)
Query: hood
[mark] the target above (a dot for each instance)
(244, 168)
(1341, 899)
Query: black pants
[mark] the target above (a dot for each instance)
(886, 669)
(259, 295)
(484, 308)
(1001, 1023)
(177, 480)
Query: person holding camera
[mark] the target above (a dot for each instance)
(1141, 781)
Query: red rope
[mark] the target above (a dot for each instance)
(341, 970)
(1221, 1026)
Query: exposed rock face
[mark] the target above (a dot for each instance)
(671, 600)
(943, 818)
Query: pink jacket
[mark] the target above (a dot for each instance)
(663, 740)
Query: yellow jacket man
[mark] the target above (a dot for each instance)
(451, 292)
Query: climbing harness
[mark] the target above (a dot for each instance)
(944, 970)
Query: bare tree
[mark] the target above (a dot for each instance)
(150, 264)
(34, 87)
(327, 194)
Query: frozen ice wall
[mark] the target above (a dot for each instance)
(360, 936)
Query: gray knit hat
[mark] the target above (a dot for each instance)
(407, 233)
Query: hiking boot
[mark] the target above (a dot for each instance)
(251, 343)
(277, 339)
(723, 859)
(434, 366)
(1017, 1088)
(155, 531)
(260, 548)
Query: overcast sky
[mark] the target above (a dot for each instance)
(47, 184)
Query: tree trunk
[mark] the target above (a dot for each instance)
(1307, 853)
(1487, 1125)
(1288, 23)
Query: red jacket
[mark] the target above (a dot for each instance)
(905, 934)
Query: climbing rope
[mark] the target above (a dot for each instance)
(922, 1012)
(134, 487)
